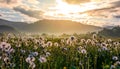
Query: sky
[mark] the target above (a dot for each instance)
(92, 12)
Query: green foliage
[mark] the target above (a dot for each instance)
(114, 32)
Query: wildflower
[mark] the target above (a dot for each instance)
(62, 40)
(104, 48)
(32, 65)
(72, 38)
(27, 59)
(94, 36)
(35, 47)
(8, 47)
(49, 43)
(56, 44)
(30, 59)
(104, 44)
(99, 50)
(79, 48)
(109, 40)
(42, 59)
(83, 40)
(18, 45)
(116, 43)
(35, 53)
(68, 41)
(115, 58)
(88, 41)
(83, 51)
(112, 67)
(6, 60)
(3, 45)
(118, 62)
(65, 49)
(48, 54)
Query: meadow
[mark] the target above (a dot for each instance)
(38, 52)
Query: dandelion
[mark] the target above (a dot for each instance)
(115, 58)
(118, 63)
(48, 54)
(72, 38)
(94, 36)
(32, 59)
(79, 48)
(27, 59)
(83, 51)
(18, 45)
(99, 50)
(35, 53)
(42, 59)
(3, 45)
(56, 44)
(32, 65)
(6, 60)
(35, 47)
(83, 40)
(8, 47)
(109, 40)
(88, 41)
(112, 67)
(65, 49)
(49, 43)
(104, 48)
(68, 41)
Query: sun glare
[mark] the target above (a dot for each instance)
(64, 9)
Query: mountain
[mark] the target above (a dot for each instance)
(4, 28)
(17, 25)
(51, 26)
(114, 32)
(109, 27)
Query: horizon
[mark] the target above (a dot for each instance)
(92, 12)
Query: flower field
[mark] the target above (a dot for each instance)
(59, 53)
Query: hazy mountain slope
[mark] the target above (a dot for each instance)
(17, 25)
(60, 26)
(4, 28)
(51, 26)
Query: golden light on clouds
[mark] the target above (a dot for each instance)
(65, 9)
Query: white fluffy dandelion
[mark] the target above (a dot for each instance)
(83, 51)
(115, 58)
(42, 59)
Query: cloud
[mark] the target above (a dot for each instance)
(10, 3)
(13, 15)
(29, 12)
(110, 11)
(117, 16)
(33, 1)
(116, 3)
(76, 1)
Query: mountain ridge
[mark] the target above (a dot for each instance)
(51, 26)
